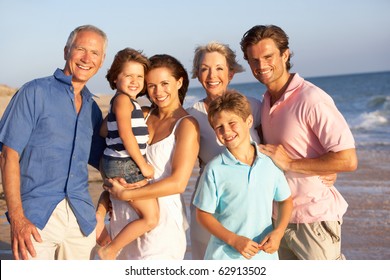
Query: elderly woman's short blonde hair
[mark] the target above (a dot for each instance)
(223, 49)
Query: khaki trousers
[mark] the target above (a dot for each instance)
(62, 238)
(312, 241)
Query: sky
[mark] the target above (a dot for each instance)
(329, 37)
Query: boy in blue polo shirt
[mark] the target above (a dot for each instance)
(236, 191)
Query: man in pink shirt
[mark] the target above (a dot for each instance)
(306, 136)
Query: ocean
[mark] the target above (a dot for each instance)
(363, 99)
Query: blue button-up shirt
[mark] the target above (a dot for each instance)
(55, 145)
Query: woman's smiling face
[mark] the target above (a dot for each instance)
(163, 88)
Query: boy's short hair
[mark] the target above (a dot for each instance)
(231, 101)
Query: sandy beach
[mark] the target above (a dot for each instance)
(367, 191)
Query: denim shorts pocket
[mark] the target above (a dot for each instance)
(112, 168)
(131, 172)
(124, 168)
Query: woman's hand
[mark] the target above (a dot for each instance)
(119, 189)
(114, 187)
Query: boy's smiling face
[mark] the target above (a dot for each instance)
(230, 129)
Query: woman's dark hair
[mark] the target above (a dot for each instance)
(177, 69)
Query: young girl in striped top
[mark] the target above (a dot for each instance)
(126, 140)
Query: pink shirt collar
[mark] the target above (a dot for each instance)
(295, 83)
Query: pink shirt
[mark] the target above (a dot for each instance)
(307, 123)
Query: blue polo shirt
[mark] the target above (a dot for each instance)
(241, 198)
(55, 145)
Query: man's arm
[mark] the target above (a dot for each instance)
(331, 162)
(21, 227)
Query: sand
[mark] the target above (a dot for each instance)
(366, 223)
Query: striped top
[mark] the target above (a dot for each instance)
(115, 147)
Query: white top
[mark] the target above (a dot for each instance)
(167, 240)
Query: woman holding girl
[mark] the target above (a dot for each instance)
(172, 151)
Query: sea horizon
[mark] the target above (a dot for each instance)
(232, 84)
(309, 77)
